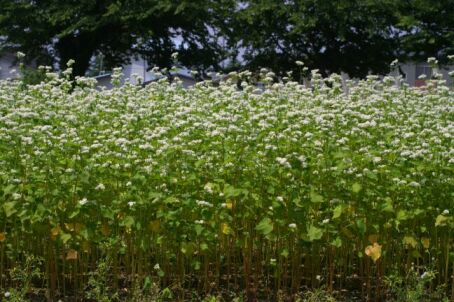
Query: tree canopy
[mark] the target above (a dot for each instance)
(353, 36)
(427, 29)
(342, 35)
(51, 31)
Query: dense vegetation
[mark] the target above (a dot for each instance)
(353, 36)
(227, 188)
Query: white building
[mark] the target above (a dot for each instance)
(412, 72)
(8, 70)
(139, 67)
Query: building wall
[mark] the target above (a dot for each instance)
(7, 68)
(139, 66)
(412, 72)
(104, 81)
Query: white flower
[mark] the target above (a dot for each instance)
(208, 188)
(292, 225)
(7, 294)
(20, 55)
(414, 184)
(446, 212)
(70, 63)
(156, 267)
(424, 275)
(432, 60)
(83, 201)
(203, 203)
(100, 187)
(299, 63)
(283, 162)
(325, 221)
(16, 196)
(131, 203)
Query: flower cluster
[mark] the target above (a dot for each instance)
(180, 168)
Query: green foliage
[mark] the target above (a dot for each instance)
(32, 76)
(356, 37)
(318, 295)
(191, 192)
(314, 233)
(50, 32)
(413, 287)
(22, 275)
(265, 226)
(427, 29)
(342, 35)
(99, 283)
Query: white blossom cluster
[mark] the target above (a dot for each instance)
(160, 145)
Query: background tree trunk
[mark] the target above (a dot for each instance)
(79, 48)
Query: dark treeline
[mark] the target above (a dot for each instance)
(354, 36)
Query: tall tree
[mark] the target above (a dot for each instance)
(426, 29)
(354, 36)
(53, 31)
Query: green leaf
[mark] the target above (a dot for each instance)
(162, 274)
(285, 253)
(441, 220)
(356, 187)
(314, 233)
(65, 237)
(8, 189)
(147, 283)
(265, 226)
(204, 246)
(402, 215)
(315, 197)
(196, 265)
(166, 292)
(337, 242)
(128, 221)
(337, 212)
(361, 226)
(231, 191)
(387, 206)
(85, 234)
(9, 209)
(410, 241)
(39, 214)
(198, 229)
(74, 213)
(171, 199)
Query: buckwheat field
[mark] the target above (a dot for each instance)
(226, 189)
